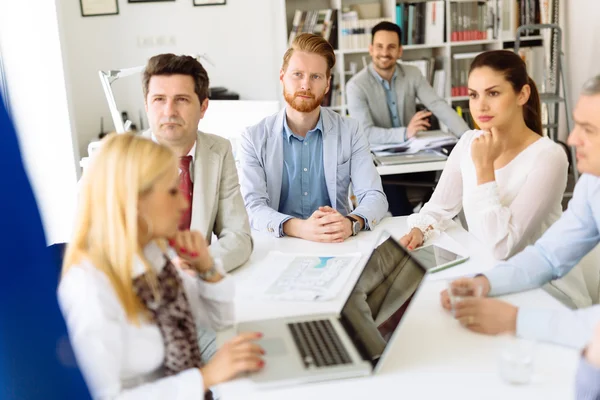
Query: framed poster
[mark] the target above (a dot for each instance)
(94, 8)
(209, 2)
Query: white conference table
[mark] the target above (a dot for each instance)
(431, 355)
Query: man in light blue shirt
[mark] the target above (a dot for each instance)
(303, 172)
(391, 98)
(562, 246)
(296, 166)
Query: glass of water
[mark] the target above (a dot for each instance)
(458, 292)
(517, 360)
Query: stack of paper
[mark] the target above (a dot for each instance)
(301, 277)
(422, 141)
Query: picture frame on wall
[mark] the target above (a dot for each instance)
(96, 8)
(198, 3)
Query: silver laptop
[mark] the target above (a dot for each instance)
(421, 156)
(314, 348)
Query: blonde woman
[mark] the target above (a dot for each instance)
(132, 286)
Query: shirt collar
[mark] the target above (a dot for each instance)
(379, 78)
(192, 151)
(288, 132)
(155, 257)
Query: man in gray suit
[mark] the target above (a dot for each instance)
(176, 97)
(382, 97)
(296, 166)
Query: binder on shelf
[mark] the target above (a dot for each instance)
(472, 20)
(461, 63)
(523, 12)
(434, 22)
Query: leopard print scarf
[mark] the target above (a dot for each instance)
(173, 315)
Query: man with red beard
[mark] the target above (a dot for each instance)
(297, 165)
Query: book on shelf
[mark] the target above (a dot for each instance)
(333, 98)
(329, 95)
(421, 23)
(466, 115)
(439, 82)
(461, 63)
(356, 33)
(320, 22)
(425, 65)
(524, 12)
(535, 61)
(472, 20)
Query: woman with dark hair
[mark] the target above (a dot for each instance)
(507, 177)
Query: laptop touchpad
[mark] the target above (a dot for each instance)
(273, 346)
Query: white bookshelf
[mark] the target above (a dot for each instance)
(441, 51)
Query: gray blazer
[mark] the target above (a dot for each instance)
(217, 203)
(346, 159)
(367, 103)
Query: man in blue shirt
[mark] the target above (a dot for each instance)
(295, 171)
(296, 166)
(35, 357)
(562, 246)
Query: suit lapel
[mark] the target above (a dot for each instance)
(330, 155)
(273, 161)
(206, 186)
(401, 87)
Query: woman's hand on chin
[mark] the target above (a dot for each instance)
(192, 251)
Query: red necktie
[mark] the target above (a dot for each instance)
(187, 188)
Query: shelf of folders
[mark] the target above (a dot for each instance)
(355, 32)
(461, 62)
(421, 23)
(473, 20)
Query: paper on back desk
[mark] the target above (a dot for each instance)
(423, 140)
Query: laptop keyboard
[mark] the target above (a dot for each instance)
(319, 344)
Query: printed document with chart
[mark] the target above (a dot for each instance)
(285, 276)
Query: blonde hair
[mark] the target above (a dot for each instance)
(311, 43)
(107, 224)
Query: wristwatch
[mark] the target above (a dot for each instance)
(355, 225)
(209, 273)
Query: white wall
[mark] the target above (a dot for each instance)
(241, 38)
(31, 52)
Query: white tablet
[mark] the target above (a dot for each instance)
(435, 258)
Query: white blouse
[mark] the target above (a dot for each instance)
(509, 213)
(120, 360)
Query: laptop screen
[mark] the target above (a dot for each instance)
(379, 298)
